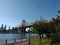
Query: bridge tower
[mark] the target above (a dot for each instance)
(23, 26)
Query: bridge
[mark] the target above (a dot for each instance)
(22, 27)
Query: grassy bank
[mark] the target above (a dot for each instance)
(44, 41)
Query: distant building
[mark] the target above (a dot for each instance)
(3, 27)
(12, 27)
(9, 28)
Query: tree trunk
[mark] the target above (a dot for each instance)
(42, 36)
(39, 39)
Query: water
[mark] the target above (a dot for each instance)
(10, 37)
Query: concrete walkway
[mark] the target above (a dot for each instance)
(17, 42)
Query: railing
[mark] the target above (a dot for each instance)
(15, 42)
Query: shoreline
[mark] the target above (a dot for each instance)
(16, 41)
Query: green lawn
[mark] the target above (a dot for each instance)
(44, 41)
(34, 42)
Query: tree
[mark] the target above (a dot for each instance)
(56, 25)
(48, 27)
(56, 22)
(40, 27)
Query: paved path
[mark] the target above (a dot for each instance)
(18, 42)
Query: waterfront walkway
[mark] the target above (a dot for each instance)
(16, 42)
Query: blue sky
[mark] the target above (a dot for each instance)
(12, 12)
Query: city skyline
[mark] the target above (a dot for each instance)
(12, 12)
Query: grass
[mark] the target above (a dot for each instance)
(44, 41)
(34, 41)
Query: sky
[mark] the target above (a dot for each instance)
(12, 12)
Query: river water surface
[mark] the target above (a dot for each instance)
(10, 37)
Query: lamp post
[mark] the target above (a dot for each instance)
(29, 35)
(29, 32)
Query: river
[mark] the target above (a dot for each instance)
(10, 37)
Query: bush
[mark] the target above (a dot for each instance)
(55, 38)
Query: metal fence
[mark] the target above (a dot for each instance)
(15, 42)
(54, 39)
